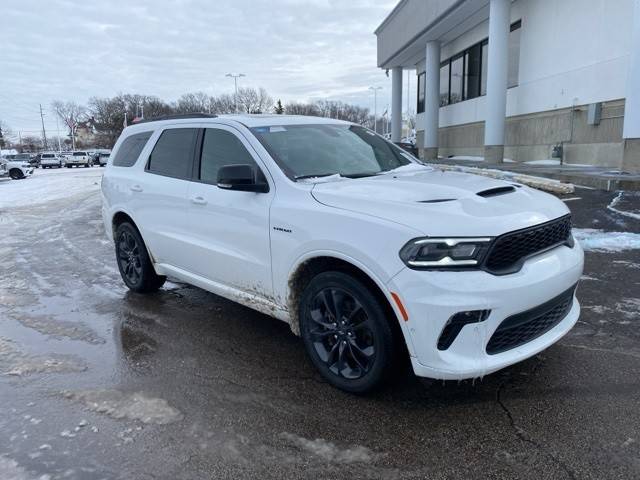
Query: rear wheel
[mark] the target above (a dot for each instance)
(346, 332)
(134, 263)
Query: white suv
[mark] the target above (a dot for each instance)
(367, 253)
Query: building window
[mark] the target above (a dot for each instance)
(457, 74)
(421, 91)
(483, 69)
(464, 76)
(472, 68)
(444, 84)
(514, 54)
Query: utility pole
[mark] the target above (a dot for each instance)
(58, 134)
(235, 77)
(44, 133)
(375, 107)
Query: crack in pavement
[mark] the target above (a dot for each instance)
(521, 433)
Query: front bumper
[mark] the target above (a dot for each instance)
(431, 298)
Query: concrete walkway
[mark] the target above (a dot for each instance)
(602, 178)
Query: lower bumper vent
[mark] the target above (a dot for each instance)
(523, 327)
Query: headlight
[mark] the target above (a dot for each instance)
(443, 253)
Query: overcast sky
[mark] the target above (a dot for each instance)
(297, 50)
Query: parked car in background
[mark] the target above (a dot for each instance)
(3, 168)
(408, 147)
(32, 159)
(17, 169)
(79, 158)
(368, 254)
(50, 160)
(102, 158)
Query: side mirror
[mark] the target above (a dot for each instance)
(241, 178)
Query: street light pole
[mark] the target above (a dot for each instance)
(235, 77)
(375, 107)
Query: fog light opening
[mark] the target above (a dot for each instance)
(454, 325)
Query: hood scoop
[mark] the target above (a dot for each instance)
(437, 200)
(494, 192)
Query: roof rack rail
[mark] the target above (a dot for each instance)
(176, 117)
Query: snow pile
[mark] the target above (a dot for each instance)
(134, 406)
(593, 240)
(541, 183)
(613, 207)
(329, 451)
(48, 185)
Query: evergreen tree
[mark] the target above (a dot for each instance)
(1, 139)
(279, 108)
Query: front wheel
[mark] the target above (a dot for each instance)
(346, 333)
(16, 174)
(134, 263)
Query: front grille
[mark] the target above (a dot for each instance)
(523, 327)
(510, 250)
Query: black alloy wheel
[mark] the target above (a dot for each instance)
(134, 263)
(346, 333)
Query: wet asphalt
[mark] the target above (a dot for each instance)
(97, 382)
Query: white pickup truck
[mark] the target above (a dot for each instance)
(79, 158)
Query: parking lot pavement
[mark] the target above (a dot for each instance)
(97, 382)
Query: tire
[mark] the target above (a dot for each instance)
(134, 263)
(355, 354)
(16, 174)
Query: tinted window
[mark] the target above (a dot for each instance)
(79, 154)
(47, 155)
(444, 84)
(472, 61)
(514, 55)
(421, 91)
(483, 73)
(173, 154)
(130, 149)
(220, 148)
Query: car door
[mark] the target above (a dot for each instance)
(159, 194)
(229, 229)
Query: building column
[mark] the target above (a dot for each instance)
(396, 104)
(432, 101)
(497, 71)
(631, 131)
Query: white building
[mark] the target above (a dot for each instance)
(514, 79)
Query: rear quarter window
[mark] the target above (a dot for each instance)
(130, 149)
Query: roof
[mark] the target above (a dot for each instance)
(248, 120)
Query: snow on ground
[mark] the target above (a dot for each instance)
(134, 406)
(594, 240)
(548, 161)
(48, 185)
(329, 451)
(613, 207)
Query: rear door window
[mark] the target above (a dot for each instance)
(130, 149)
(172, 155)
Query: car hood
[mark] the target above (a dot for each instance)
(443, 203)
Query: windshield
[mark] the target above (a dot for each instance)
(304, 151)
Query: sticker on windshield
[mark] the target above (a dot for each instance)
(277, 129)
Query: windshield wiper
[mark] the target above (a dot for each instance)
(314, 175)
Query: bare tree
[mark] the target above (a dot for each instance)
(71, 114)
(198, 102)
(223, 104)
(295, 108)
(251, 100)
